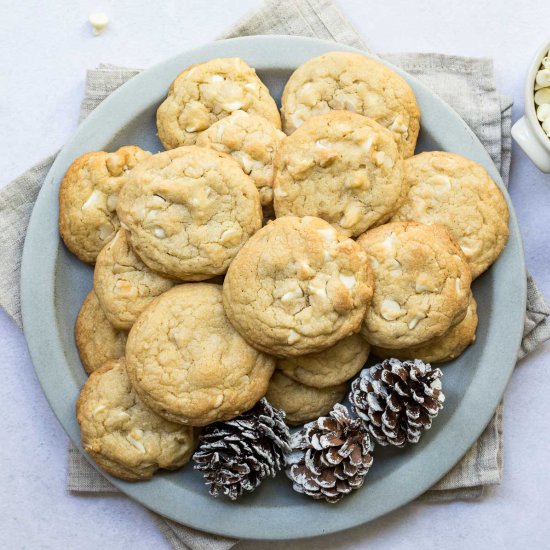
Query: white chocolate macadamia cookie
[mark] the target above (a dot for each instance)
(88, 197)
(297, 287)
(252, 141)
(124, 285)
(446, 347)
(458, 193)
(188, 211)
(203, 94)
(302, 403)
(188, 363)
(341, 167)
(121, 434)
(352, 82)
(96, 339)
(422, 284)
(329, 367)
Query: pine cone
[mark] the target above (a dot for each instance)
(237, 455)
(397, 400)
(331, 456)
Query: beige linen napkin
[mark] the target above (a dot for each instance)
(465, 83)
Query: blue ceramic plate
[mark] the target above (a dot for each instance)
(54, 284)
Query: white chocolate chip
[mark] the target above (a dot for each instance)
(232, 106)
(327, 234)
(546, 61)
(389, 244)
(159, 233)
(278, 192)
(230, 237)
(293, 337)
(441, 183)
(219, 401)
(394, 267)
(95, 200)
(105, 231)
(317, 287)
(398, 125)
(99, 408)
(367, 144)
(543, 77)
(292, 295)
(112, 202)
(191, 129)
(414, 321)
(423, 283)
(217, 78)
(327, 256)
(98, 21)
(136, 433)
(137, 444)
(351, 216)
(251, 86)
(347, 280)
(458, 285)
(391, 310)
(542, 96)
(220, 129)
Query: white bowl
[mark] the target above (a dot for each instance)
(527, 131)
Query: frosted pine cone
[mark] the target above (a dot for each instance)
(237, 455)
(331, 456)
(397, 400)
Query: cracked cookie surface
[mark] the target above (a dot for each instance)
(302, 403)
(121, 434)
(457, 192)
(188, 363)
(188, 212)
(252, 141)
(123, 284)
(341, 167)
(297, 287)
(205, 93)
(96, 339)
(88, 197)
(422, 284)
(329, 367)
(446, 347)
(352, 82)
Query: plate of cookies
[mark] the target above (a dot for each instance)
(273, 288)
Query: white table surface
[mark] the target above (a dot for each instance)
(46, 48)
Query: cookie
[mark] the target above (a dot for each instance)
(341, 167)
(189, 211)
(329, 367)
(88, 197)
(121, 434)
(123, 284)
(422, 284)
(96, 339)
(457, 192)
(252, 141)
(297, 287)
(208, 92)
(446, 347)
(302, 403)
(188, 363)
(352, 82)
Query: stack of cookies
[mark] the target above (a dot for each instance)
(246, 261)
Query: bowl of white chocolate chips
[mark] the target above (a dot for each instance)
(532, 131)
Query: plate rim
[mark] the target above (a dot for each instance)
(35, 334)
